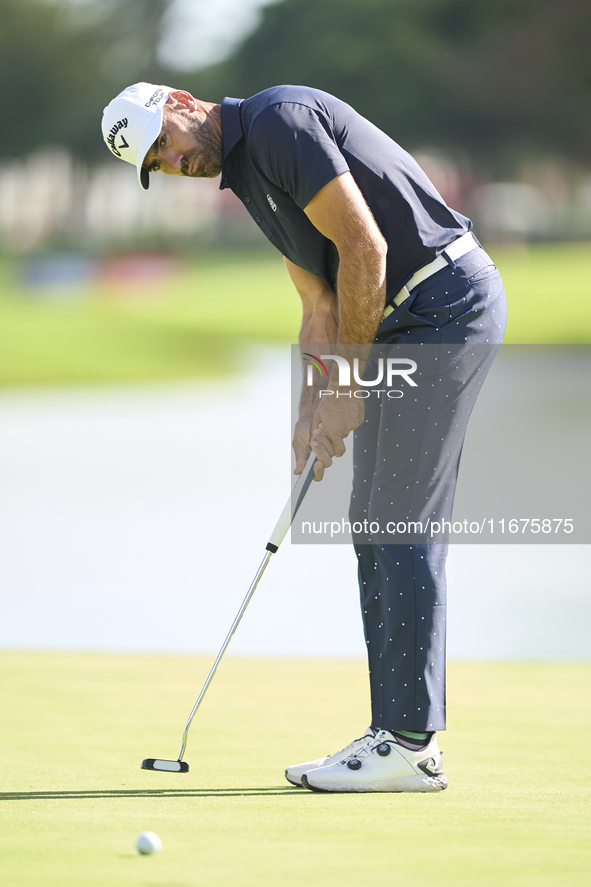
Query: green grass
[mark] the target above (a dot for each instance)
(75, 727)
(192, 324)
(548, 293)
(196, 322)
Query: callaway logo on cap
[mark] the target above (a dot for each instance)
(132, 123)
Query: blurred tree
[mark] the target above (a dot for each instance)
(61, 63)
(501, 79)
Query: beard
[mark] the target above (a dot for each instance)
(204, 159)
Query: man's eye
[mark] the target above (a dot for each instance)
(162, 141)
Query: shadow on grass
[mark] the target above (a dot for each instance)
(151, 793)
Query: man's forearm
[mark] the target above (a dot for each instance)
(340, 213)
(318, 329)
(361, 296)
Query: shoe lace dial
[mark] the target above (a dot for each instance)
(379, 742)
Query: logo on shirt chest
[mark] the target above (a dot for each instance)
(272, 203)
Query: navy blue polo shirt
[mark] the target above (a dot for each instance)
(282, 145)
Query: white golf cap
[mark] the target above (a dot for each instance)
(132, 123)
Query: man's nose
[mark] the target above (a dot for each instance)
(172, 159)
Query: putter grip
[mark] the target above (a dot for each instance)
(293, 503)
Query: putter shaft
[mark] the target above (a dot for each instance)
(277, 536)
(235, 624)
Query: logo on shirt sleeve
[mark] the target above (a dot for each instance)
(272, 203)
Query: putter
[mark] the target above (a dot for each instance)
(277, 536)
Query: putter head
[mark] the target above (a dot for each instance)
(166, 766)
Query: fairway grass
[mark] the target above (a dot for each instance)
(75, 728)
(197, 322)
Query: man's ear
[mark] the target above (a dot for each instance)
(179, 99)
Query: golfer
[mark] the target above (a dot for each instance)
(380, 260)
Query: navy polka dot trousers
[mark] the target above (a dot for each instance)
(406, 458)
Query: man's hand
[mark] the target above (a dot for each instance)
(333, 421)
(302, 439)
(304, 443)
(325, 432)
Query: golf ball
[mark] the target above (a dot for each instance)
(148, 842)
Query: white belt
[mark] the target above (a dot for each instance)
(454, 251)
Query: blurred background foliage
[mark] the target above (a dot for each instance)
(63, 61)
(501, 81)
(493, 98)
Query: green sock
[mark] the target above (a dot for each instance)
(418, 736)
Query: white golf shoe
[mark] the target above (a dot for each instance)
(295, 772)
(381, 765)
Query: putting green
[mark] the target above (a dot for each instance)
(75, 728)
